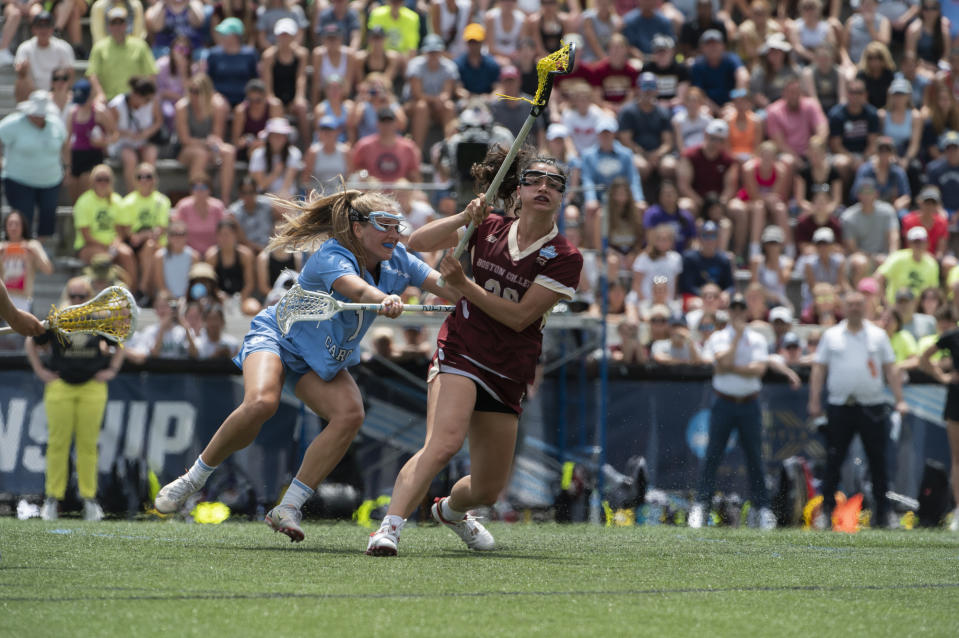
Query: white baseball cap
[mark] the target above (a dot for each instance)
(557, 132)
(917, 233)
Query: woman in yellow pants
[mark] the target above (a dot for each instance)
(75, 398)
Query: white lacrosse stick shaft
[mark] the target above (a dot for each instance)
(308, 305)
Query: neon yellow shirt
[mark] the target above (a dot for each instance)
(402, 33)
(143, 213)
(100, 215)
(930, 340)
(114, 64)
(951, 280)
(903, 345)
(902, 271)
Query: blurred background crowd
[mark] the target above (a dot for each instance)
(795, 150)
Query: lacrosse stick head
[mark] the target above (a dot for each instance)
(112, 314)
(302, 305)
(556, 63)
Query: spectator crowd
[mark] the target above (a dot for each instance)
(795, 150)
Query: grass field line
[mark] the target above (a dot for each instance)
(481, 594)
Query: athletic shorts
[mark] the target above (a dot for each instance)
(265, 336)
(83, 161)
(494, 392)
(951, 411)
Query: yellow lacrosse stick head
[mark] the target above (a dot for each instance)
(112, 313)
(556, 63)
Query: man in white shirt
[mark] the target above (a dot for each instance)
(740, 355)
(857, 355)
(38, 57)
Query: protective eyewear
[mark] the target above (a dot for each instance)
(554, 181)
(381, 220)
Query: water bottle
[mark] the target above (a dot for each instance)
(595, 507)
(895, 426)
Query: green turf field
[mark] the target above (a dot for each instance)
(71, 578)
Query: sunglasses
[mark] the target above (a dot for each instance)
(102, 179)
(118, 21)
(554, 181)
(658, 320)
(200, 186)
(61, 78)
(78, 296)
(384, 221)
(145, 176)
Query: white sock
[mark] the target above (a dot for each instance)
(200, 471)
(394, 522)
(449, 513)
(296, 494)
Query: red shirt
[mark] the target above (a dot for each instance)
(806, 226)
(615, 83)
(500, 267)
(708, 174)
(386, 163)
(938, 230)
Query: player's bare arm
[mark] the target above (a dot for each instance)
(443, 233)
(357, 290)
(515, 315)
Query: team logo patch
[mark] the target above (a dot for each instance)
(547, 252)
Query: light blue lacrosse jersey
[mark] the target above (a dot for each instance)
(326, 347)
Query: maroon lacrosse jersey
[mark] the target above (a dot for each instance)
(501, 268)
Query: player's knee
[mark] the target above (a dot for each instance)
(442, 451)
(262, 405)
(350, 419)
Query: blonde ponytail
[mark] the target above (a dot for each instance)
(308, 223)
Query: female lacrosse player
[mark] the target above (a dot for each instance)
(363, 262)
(487, 349)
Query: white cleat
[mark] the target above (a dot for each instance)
(173, 495)
(767, 520)
(384, 541)
(468, 528)
(286, 519)
(92, 510)
(49, 510)
(697, 516)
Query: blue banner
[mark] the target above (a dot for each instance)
(165, 419)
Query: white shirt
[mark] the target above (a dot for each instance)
(43, 61)
(855, 361)
(669, 265)
(207, 348)
(582, 128)
(751, 348)
(173, 346)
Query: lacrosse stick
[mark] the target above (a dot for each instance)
(112, 314)
(306, 305)
(556, 63)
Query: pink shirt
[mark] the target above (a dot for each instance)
(798, 126)
(201, 230)
(387, 163)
